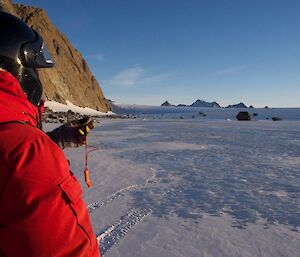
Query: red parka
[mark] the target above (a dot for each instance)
(41, 208)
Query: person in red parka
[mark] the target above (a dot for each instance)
(42, 212)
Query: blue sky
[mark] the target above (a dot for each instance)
(149, 51)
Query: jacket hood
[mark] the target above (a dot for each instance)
(14, 105)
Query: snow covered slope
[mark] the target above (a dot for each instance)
(58, 107)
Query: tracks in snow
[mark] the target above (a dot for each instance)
(111, 234)
(122, 192)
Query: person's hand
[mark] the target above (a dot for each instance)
(82, 128)
(72, 134)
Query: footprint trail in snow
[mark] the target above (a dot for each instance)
(111, 234)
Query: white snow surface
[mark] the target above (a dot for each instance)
(203, 186)
(59, 107)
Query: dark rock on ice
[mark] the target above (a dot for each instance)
(243, 116)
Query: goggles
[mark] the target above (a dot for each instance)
(35, 54)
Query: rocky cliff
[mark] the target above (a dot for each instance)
(71, 79)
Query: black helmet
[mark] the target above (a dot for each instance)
(22, 51)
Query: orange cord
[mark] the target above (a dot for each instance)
(87, 178)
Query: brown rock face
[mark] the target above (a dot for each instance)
(70, 79)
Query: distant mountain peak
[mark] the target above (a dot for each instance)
(166, 103)
(239, 105)
(202, 103)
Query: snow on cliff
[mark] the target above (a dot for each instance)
(58, 107)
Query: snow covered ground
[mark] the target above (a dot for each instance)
(203, 186)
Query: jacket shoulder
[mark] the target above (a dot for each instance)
(30, 154)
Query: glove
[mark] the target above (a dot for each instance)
(72, 134)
